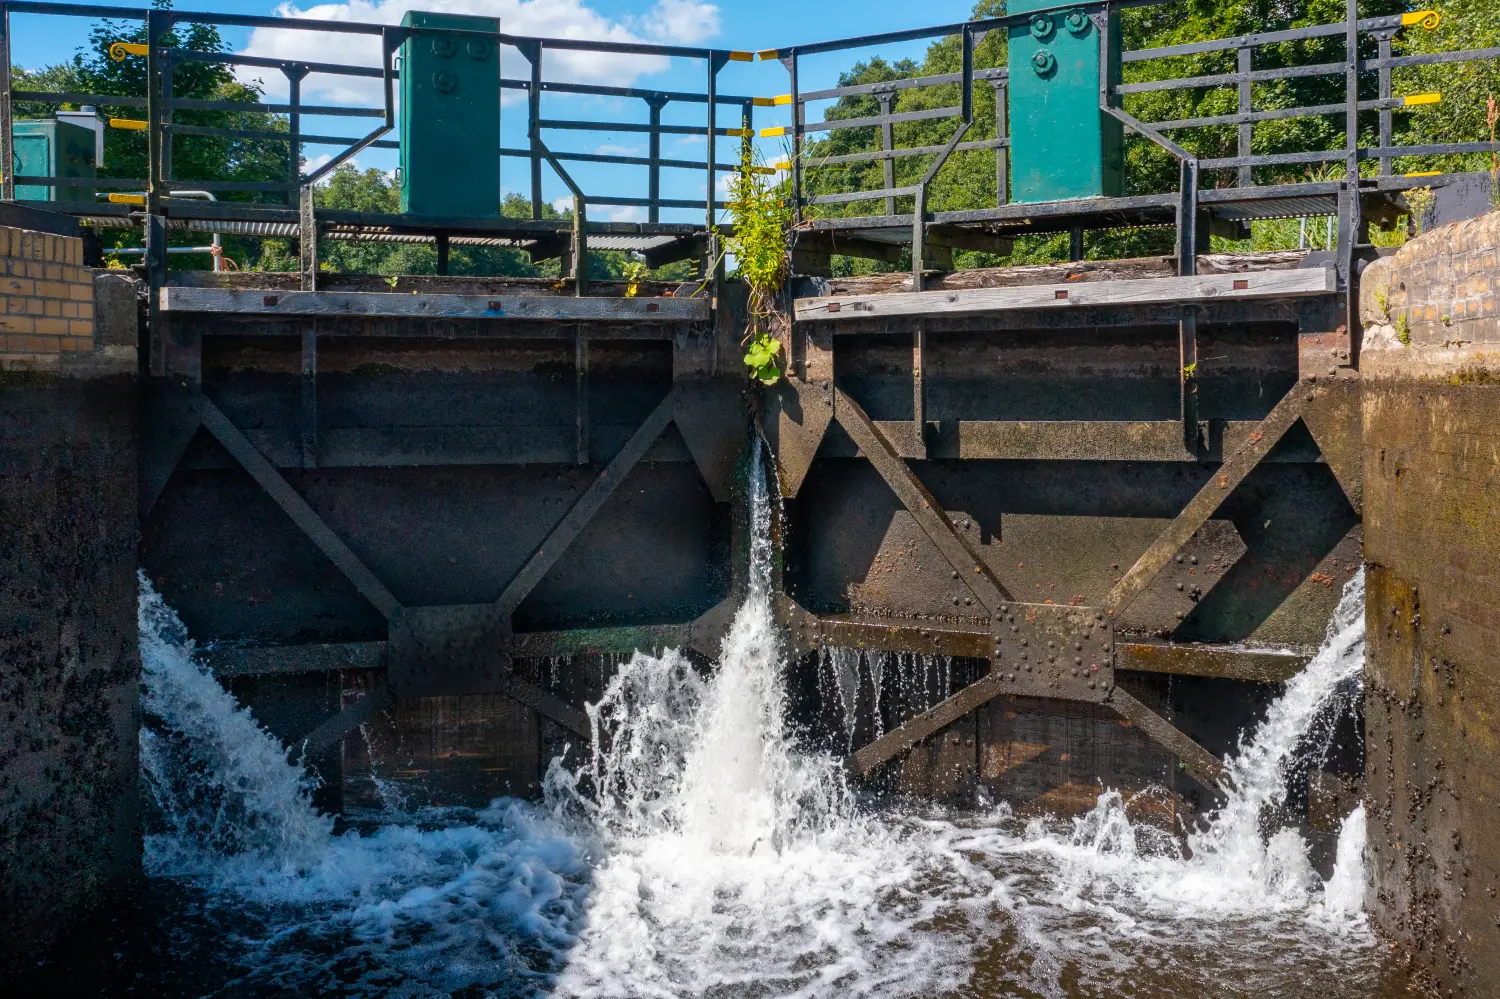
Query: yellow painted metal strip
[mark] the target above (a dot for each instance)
(772, 132)
(737, 56)
(1428, 19)
(762, 170)
(119, 50)
(782, 99)
(763, 102)
(742, 133)
(1426, 173)
(117, 198)
(1411, 99)
(129, 124)
(766, 55)
(782, 164)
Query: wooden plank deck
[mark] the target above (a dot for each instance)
(1277, 284)
(329, 304)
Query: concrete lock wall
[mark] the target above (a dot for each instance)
(69, 662)
(1431, 372)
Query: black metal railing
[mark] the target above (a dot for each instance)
(808, 158)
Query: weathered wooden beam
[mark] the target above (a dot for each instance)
(587, 505)
(955, 548)
(1202, 506)
(304, 516)
(374, 303)
(1150, 291)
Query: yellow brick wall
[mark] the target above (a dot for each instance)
(48, 300)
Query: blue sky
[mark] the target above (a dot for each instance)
(764, 24)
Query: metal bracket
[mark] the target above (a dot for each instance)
(1051, 650)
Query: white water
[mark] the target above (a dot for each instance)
(702, 851)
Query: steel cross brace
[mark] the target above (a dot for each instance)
(1035, 650)
(417, 632)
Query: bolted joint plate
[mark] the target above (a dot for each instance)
(445, 650)
(1050, 650)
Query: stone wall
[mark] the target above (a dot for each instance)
(1431, 372)
(69, 661)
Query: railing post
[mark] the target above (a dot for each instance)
(580, 247)
(1002, 153)
(1246, 174)
(653, 179)
(1383, 37)
(532, 50)
(790, 61)
(157, 24)
(294, 75)
(716, 62)
(166, 122)
(887, 143)
(1187, 323)
(307, 238)
(7, 139)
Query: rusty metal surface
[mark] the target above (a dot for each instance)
(1259, 666)
(1209, 498)
(958, 550)
(799, 408)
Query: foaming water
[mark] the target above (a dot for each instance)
(450, 899)
(702, 850)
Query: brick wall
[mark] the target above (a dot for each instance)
(1442, 289)
(49, 300)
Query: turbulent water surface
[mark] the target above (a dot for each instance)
(711, 855)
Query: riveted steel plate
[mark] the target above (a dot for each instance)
(1051, 650)
(443, 650)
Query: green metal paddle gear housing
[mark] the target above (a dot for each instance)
(450, 117)
(51, 148)
(1062, 145)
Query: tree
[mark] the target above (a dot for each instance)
(967, 180)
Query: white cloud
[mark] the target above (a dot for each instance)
(623, 213)
(683, 22)
(564, 204)
(680, 22)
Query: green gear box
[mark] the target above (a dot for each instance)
(1062, 145)
(450, 117)
(50, 148)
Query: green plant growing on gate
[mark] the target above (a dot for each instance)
(1421, 201)
(762, 220)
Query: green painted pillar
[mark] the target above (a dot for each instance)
(450, 118)
(1062, 145)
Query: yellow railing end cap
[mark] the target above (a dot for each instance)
(773, 131)
(1428, 19)
(766, 55)
(1413, 99)
(737, 55)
